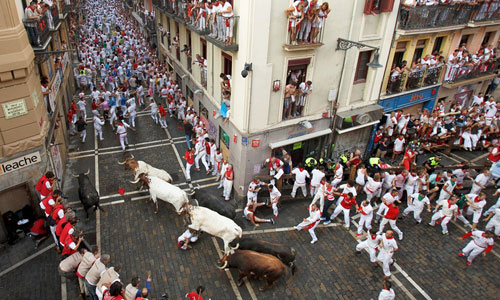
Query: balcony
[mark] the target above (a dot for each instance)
(54, 12)
(487, 12)
(408, 81)
(298, 38)
(456, 76)
(38, 32)
(427, 17)
(67, 6)
(225, 38)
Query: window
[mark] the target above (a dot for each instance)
(203, 111)
(203, 48)
(227, 64)
(297, 72)
(419, 50)
(224, 137)
(437, 44)
(161, 35)
(362, 68)
(465, 40)
(188, 53)
(378, 6)
(168, 33)
(486, 39)
(177, 38)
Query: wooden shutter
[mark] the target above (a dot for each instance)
(386, 5)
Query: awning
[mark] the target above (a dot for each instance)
(342, 131)
(300, 138)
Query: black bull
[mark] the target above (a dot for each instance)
(209, 200)
(284, 253)
(87, 193)
(263, 266)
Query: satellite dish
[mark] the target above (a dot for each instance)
(363, 118)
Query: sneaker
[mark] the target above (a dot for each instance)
(430, 224)
(401, 236)
(322, 218)
(445, 233)
(418, 222)
(468, 263)
(272, 221)
(276, 216)
(295, 227)
(347, 229)
(461, 254)
(327, 222)
(357, 252)
(313, 241)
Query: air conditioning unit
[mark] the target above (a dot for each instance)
(358, 117)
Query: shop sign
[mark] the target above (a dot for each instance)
(244, 141)
(20, 163)
(255, 143)
(406, 100)
(35, 99)
(15, 109)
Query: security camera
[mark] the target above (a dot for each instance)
(248, 67)
(244, 73)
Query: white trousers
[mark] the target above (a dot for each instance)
(392, 223)
(201, 155)
(345, 211)
(335, 182)
(302, 187)
(382, 210)
(493, 225)
(98, 132)
(123, 140)
(228, 185)
(131, 119)
(83, 135)
(274, 206)
(472, 250)
(438, 215)
(371, 251)
(188, 171)
(53, 231)
(313, 189)
(366, 221)
(386, 259)
(319, 195)
(416, 212)
(311, 230)
(154, 116)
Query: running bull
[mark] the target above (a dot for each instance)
(87, 193)
(263, 266)
(282, 252)
(209, 200)
(138, 167)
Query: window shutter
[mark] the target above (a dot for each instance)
(386, 5)
(368, 7)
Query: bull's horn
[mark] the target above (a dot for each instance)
(236, 247)
(223, 267)
(132, 156)
(76, 176)
(88, 172)
(122, 163)
(134, 182)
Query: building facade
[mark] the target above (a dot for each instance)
(36, 86)
(264, 44)
(425, 33)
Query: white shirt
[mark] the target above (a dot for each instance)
(448, 210)
(389, 198)
(387, 295)
(388, 245)
(496, 217)
(314, 216)
(398, 144)
(98, 123)
(300, 176)
(339, 173)
(224, 8)
(480, 204)
(187, 235)
(367, 210)
(346, 190)
(274, 193)
(373, 241)
(317, 175)
(419, 202)
(480, 240)
(122, 129)
(372, 186)
(388, 179)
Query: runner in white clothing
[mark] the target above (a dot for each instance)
(448, 210)
(339, 174)
(317, 175)
(387, 293)
(366, 211)
(98, 122)
(416, 203)
(274, 198)
(370, 244)
(387, 248)
(481, 181)
(311, 222)
(387, 199)
(481, 242)
(121, 130)
(300, 180)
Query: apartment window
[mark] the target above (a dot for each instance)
(203, 48)
(168, 34)
(188, 51)
(465, 40)
(419, 50)
(486, 39)
(227, 64)
(378, 6)
(297, 72)
(437, 44)
(362, 68)
(224, 137)
(177, 39)
(203, 111)
(399, 53)
(189, 42)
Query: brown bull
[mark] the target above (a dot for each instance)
(263, 266)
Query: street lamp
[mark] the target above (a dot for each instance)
(343, 44)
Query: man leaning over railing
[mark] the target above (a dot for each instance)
(31, 17)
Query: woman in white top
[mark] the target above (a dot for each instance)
(295, 16)
(360, 177)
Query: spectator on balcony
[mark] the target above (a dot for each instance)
(225, 83)
(287, 103)
(494, 84)
(395, 80)
(46, 93)
(305, 89)
(452, 66)
(48, 13)
(31, 16)
(295, 15)
(228, 21)
(201, 18)
(202, 63)
(319, 22)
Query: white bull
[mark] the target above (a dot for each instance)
(204, 219)
(138, 167)
(165, 191)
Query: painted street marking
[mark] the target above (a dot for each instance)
(234, 286)
(27, 259)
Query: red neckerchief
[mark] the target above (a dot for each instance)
(477, 199)
(373, 236)
(449, 204)
(389, 238)
(301, 170)
(31, 9)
